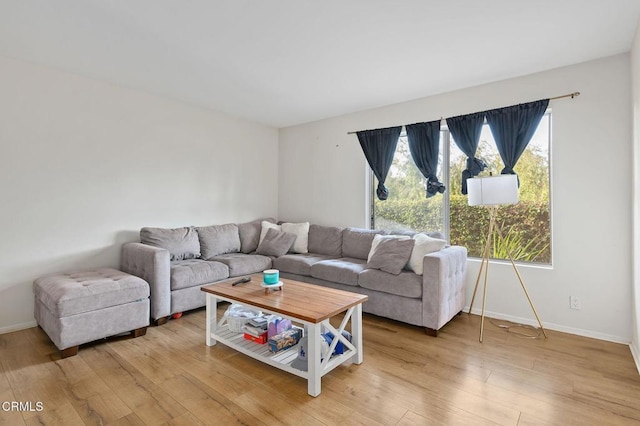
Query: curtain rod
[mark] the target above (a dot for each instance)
(568, 95)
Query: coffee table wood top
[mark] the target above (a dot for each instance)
(307, 302)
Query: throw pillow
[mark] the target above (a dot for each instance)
(218, 239)
(250, 235)
(391, 255)
(424, 245)
(276, 243)
(301, 231)
(266, 225)
(378, 238)
(182, 243)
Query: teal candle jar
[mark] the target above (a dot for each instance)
(271, 276)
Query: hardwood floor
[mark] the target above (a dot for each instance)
(169, 376)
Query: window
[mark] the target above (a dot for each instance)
(528, 223)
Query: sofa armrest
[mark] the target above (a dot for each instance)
(152, 265)
(444, 281)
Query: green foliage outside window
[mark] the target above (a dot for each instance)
(526, 228)
(526, 225)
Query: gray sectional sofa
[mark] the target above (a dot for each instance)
(177, 262)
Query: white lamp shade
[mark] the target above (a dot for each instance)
(493, 190)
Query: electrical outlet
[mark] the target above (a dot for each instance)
(574, 303)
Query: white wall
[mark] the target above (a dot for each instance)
(323, 179)
(84, 165)
(635, 76)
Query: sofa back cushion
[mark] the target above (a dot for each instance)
(356, 242)
(325, 240)
(182, 243)
(218, 239)
(250, 234)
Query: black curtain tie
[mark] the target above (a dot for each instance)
(434, 186)
(475, 166)
(382, 192)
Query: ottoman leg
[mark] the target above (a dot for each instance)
(73, 350)
(66, 353)
(138, 332)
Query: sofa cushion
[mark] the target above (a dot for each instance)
(325, 240)
(424, 245)
(299, 264)
(192, 272)
(182, 243)
(244, 264)
(301, 231)
(250, 234)
(405, 284)
(344, 270)
(218, 239)
(391, 254)
(356, 243)
(275, 243)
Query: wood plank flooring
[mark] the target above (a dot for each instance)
(170, 377)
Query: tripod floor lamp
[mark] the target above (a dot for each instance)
(492, 192)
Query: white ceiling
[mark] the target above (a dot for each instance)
(285, 62)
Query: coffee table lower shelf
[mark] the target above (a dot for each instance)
(281, 359)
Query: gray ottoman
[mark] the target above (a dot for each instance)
(80, 307)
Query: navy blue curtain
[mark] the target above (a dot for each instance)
(466, 130)
(379, 146)
(424, 145)
(513, 127)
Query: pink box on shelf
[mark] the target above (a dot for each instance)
(277, 326)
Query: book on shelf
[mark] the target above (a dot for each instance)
(257, 339)
(258, 322)
(254, 331)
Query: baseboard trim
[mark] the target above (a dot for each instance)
(635, 352)
(552, 326)
(18, 327)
